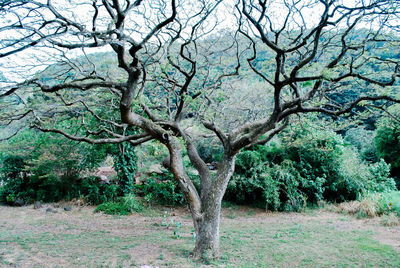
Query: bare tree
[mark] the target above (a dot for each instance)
(166, 73)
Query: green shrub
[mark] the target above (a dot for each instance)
(96, 192)
(384, 203)
(161, 189)
(12, 167)
(379, 180)
(209, 151)
(394, 201)
(14, 182)
(45, 166)
(125, 206)
(273, 187)
(304, 168)
(387, 142)
(113, 208)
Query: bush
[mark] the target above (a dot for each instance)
(302, 169)
(209, 151)
(125, 206)
(273, 187)
(379, 180)
(15, 183)
(51, 171)
(394, 202)
(161, 189)
(96, 192)
(387, 142)
(45, 166)
(12, 167)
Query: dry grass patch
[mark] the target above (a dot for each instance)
(390, 220)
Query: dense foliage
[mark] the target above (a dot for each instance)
(125, 165)
(387, 142)
(49, 168)
(302, 166)
(161, 189)
(124, 206)
(305, 167)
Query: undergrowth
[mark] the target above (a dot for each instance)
(373, 205)
(125, 206)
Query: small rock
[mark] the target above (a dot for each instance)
(37, 205)
(67, 208)
(19, 202)
(56, 205)
(50, 210)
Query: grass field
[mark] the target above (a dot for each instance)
(164, 237)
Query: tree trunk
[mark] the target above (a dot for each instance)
(207, 229)
(207, 233)
(206, 210)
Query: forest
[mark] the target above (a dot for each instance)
(130, 106)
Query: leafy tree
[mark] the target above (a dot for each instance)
(171, 71)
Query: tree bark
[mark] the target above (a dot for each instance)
(207, 233)
(207, 227)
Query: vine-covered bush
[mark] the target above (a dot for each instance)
(125, 165)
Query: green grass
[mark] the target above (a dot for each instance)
(93, 248)
(251, 239)
(311, 245)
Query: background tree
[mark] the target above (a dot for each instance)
(170, 69)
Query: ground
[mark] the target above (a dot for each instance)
(163, 237)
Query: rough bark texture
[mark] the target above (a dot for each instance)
(207, 233)
(185, 183)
